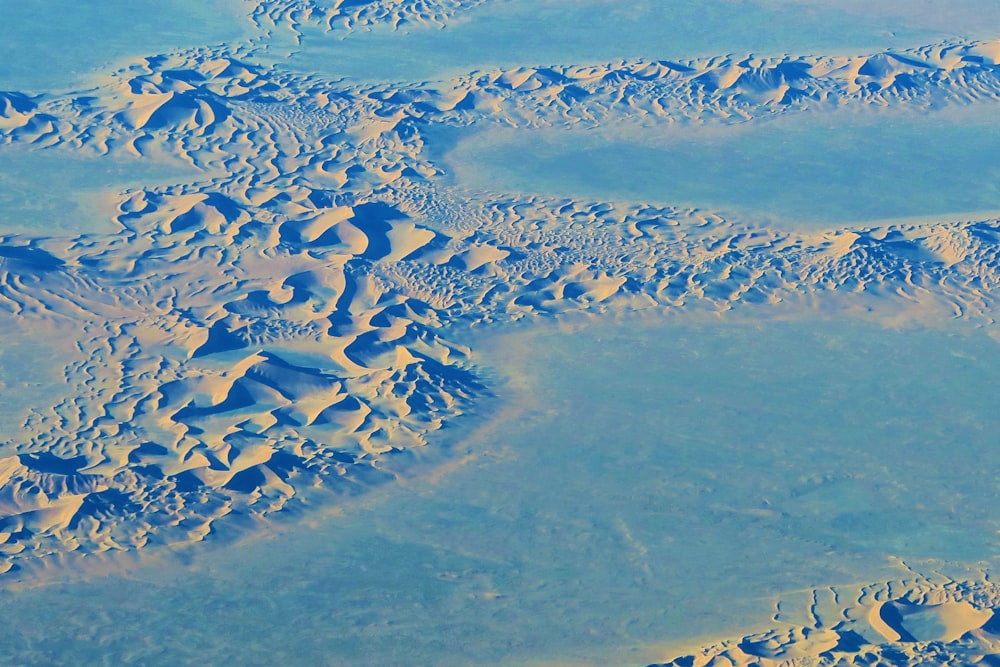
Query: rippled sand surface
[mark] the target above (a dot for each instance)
(493, 332)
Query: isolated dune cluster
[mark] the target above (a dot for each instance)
(914, 621)
(276, 333)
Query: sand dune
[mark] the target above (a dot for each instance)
(349, 14)
(730, 87)
(919, 621)
(278, 333)
(16, 110)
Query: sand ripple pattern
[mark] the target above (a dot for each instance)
(275, 335)
(920, 620)
(352, 14)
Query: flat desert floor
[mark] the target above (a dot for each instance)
(500, 332)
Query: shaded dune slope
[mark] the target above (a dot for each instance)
(351, 14)
(920, 620)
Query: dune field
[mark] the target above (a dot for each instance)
(500, 332)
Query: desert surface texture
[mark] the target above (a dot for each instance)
(544, 333)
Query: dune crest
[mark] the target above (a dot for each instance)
(920, 621)
(352, 14)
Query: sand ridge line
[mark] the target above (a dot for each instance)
(735, 88)
(191, 100)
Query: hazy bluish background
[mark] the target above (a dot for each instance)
(29, 378)
(52, 45)
(59, 193)
(823, 169)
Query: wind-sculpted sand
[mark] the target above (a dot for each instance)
(280, 332)
(351, 14)
(916, 621)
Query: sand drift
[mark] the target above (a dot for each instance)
(282, 331)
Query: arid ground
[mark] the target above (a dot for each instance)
(499, 332)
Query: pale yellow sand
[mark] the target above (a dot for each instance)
(920, 620)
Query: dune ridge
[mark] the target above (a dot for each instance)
(731, 87)
(276, 333)
(919, 620)
(354, 14)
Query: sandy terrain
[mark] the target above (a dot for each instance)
(284, 329)
(909, 622)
